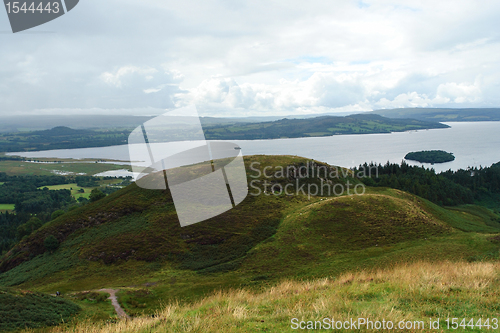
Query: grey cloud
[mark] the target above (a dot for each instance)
(238, 56)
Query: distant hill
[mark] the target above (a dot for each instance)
(63, 137)
(315, 127)
(442, 115)
(11, 124)
(36, 122)
(60, 131)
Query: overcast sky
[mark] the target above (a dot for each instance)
(237, 58)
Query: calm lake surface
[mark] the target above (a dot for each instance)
(473, 144)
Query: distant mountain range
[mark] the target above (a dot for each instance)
(315, 127)
(443, 115)
(35, 123)
(62, 137)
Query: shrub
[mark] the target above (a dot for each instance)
(83, 200)
(27, 228)
(51, 243)
(96, 195)
(56, 214)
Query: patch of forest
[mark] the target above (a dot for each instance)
(430, 156)
(61, 138)
(35, 204)
(449, 188)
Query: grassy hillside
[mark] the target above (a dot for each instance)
(21, 309)
(132, 241)
(408, 295)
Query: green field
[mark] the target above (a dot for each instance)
(74, 188)
(17, 168)
(6, 207)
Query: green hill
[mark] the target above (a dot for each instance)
(61, 131)
(131, 240)
(61, 137)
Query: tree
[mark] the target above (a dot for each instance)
(56, 214)
(27, 228)
(83, 200)
(51, 243)
(96, 195)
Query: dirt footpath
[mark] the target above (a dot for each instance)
(114, 301)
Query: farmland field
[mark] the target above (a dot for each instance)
(75, 189)
(17, 168)
(6, 207)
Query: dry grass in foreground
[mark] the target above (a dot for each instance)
(412, 292)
